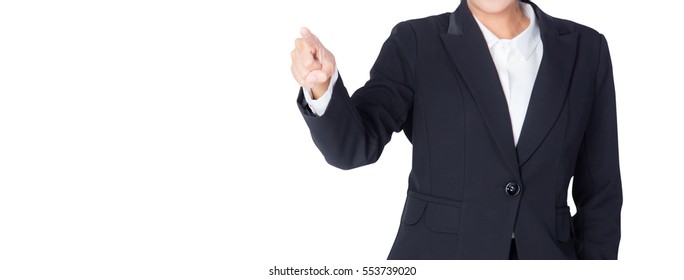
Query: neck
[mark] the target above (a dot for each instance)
(505, 24)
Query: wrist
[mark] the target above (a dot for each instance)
(319, 89)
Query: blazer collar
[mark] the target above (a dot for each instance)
(467, 47)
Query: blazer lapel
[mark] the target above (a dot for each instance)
(551, 85)
(468, 50)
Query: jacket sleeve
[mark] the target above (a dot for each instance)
(597, 187)
(354, 130)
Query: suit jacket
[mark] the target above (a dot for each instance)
(470, 187)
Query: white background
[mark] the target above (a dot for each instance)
(161, 140)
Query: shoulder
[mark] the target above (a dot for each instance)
(426, 25)
(591, 44)
(417, 32)
(586, 33)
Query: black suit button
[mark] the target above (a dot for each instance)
(513, 189)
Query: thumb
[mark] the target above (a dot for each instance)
(317, 77)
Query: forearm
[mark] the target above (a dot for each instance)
(339, 133)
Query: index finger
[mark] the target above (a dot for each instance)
(309, 38)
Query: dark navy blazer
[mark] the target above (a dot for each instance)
(470, 187)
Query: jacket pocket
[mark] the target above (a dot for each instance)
(563, 224)
(443, 218)
(413, 210)
(439, 214)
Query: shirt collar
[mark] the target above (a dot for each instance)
(526, 41)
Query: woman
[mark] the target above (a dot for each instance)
(503, 105)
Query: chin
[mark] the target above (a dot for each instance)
(491, 6)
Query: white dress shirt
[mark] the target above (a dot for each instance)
(517, 63)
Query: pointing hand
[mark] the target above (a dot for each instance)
(312, 63)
